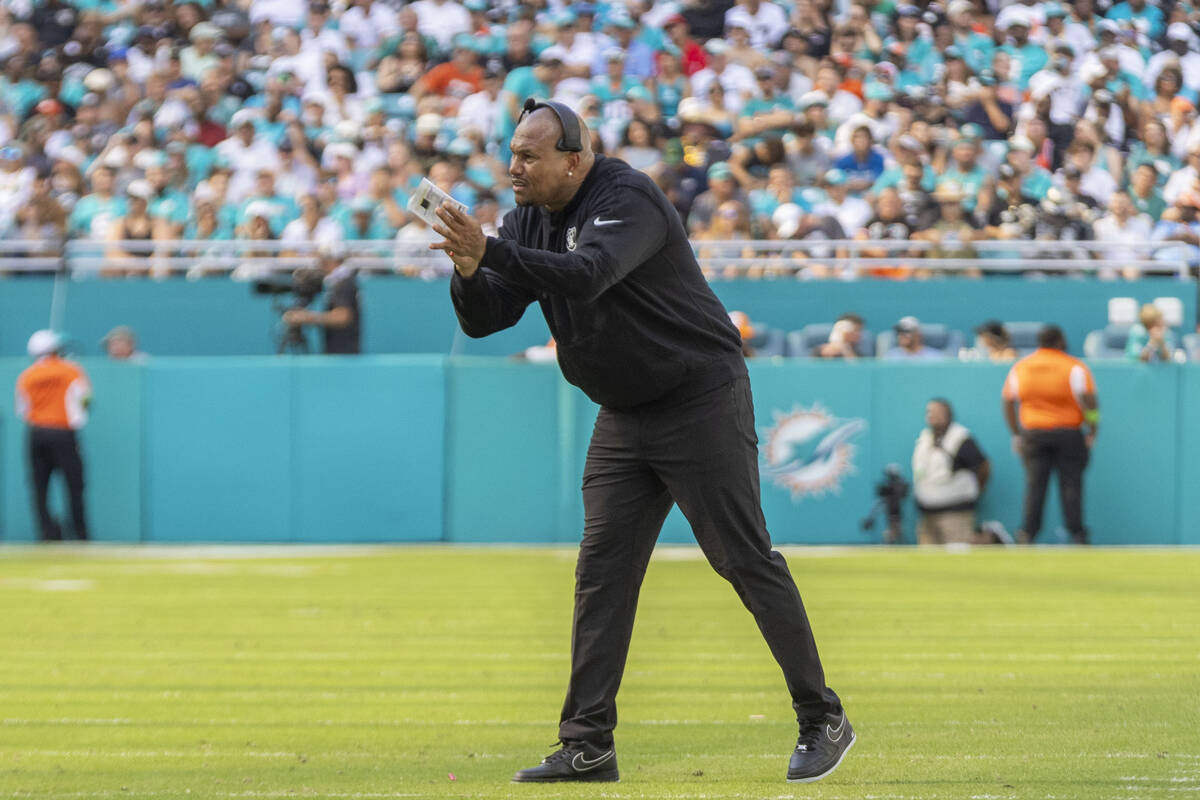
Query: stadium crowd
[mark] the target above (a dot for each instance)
(933, 125)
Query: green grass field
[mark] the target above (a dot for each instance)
(383, 672)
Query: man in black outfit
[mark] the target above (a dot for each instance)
(600, 248)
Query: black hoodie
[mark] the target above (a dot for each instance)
(634, 320)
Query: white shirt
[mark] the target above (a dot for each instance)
(1098, 184)
(1066, 93)
(479, 111)
(1189, 65)
(368, 28)
(286, 13)
(245, 162)
(1136, 229)
(326, 231)
(766, 27)
(1181, 181)
(737, 80)
(442, 21)
(852, 214)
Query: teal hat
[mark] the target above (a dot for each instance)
(719, 171)
(835, 177)
(971, 131)
(638, 92)
(463, 41)
(565, 18)
(878, 91)
(460, 147)
(1054, 10)
(620, 21)
(362, 205)
(476, 5)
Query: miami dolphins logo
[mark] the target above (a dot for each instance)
(809, 450)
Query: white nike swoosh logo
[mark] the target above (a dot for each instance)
(829, 731)
(599, 222)
(581, 764)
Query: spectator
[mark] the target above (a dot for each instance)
(120, 344)
(1055, 429)
(844, 339)
(993, 343)
(950, 472)
(953, 232)
(851, 213)
(910, 344)
(1123, 226)
(1179, 224)
(16, 187)
(1144, 193)
(1149, 338)
(52, 397)
(863, 164)
(722, 188)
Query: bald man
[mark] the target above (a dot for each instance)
(600, 248)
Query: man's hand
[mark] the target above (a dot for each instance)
(296, 317)
(465, 241)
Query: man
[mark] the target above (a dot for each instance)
(949, 473)
(1056, 428)
(604, 253)
(910, 345)
(120, 344)
(52, 397)
(844, 338)
(341, 321)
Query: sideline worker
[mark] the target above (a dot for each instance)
(53, 395)
(600, 248)
(1059, 418)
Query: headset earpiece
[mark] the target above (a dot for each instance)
(571, 140)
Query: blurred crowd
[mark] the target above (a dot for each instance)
(937, 125)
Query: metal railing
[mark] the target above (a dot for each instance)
(846, 258)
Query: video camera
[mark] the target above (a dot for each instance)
(303, 285)
(891, 492)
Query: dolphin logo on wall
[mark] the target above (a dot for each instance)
(808, 450)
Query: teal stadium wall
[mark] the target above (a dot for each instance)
(469, 449)
(219, 317)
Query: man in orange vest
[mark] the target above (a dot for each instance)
(52, 397)
(1057, 424)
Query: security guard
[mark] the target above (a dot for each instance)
(53, 395)
(1055, 428)
(600, 248)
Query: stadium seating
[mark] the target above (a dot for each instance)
(935, 335)
(800, 343)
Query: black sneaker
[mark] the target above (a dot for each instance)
(576, 761)
(821, 747)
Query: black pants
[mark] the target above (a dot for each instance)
(52, 449)
(1065, 451)
(703, 455)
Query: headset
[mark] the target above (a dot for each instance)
(571, 140)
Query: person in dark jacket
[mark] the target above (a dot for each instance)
(600, 248)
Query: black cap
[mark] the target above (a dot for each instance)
(993, 327)
(1072, 171)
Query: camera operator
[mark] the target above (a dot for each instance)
(949, 473)
(341, 321)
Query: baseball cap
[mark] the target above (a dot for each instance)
(787, 219)
(716, 46)
(835, 177)
(908, 325)
(814, 98)
(719, 171)
(43, 343)
(140, 188)
(1179, 31)
(1021, 143)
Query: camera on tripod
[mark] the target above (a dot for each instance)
(303, 285)
(890, 492)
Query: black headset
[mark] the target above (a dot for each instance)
(571, 140)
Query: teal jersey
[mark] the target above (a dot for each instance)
(521, 83)
(603, 91)
(1030, 59)
(668, 95)
(199, 160)
(894, 176)
(22, 96)
(977, 50)
(971, 183)
(172, 206)
(1164, 164)
(93, 214)
(1037, 183)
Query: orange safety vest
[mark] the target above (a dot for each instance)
(53, 393)
(1048, 384)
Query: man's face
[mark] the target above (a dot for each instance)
(909, 339)
(538, 170)
(860, 141)
(119, 347)
(937, 417)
